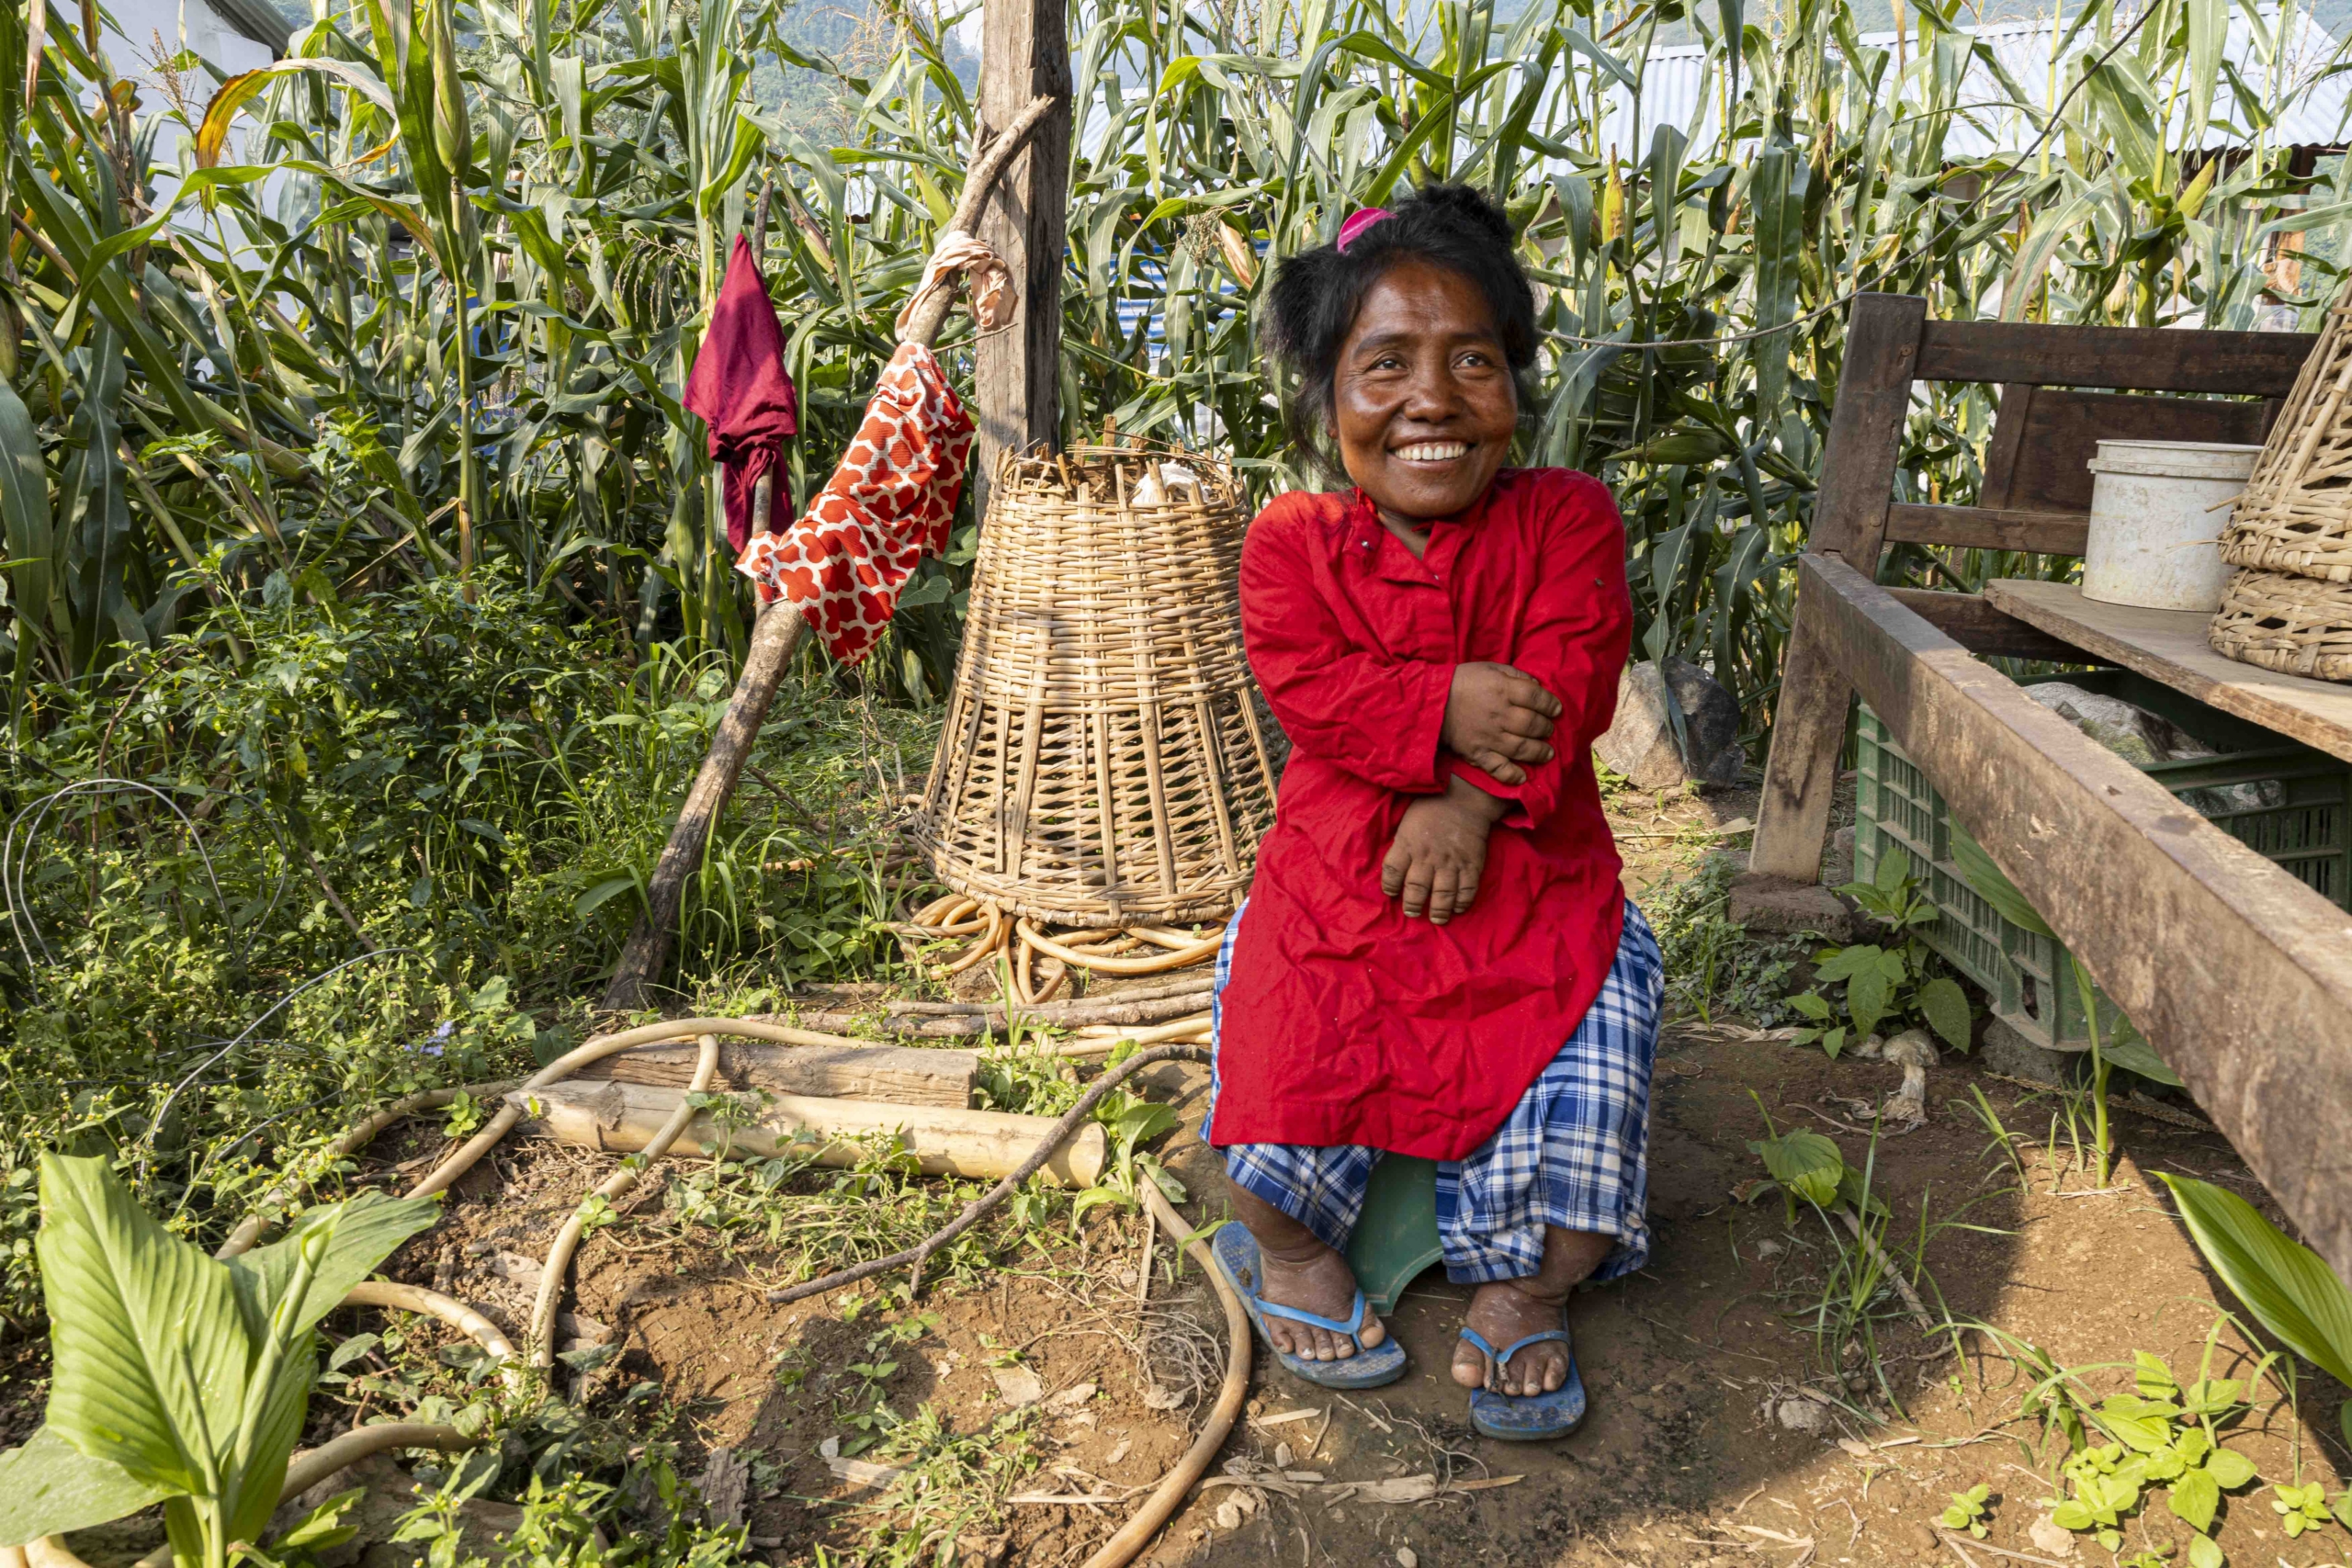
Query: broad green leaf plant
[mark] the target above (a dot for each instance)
(1893, 980)
(2287, 1287)
(178, 1378)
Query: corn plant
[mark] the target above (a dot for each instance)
(424, 291)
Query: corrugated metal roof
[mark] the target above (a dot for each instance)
(2309, 108)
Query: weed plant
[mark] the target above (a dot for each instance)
(1713, 964)
(401, 841)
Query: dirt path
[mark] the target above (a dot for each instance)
(1738, 1413)
(1718, 1431)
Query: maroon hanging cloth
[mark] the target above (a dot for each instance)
(740, 387)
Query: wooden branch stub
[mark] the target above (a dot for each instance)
(930, 315)
(775, 636)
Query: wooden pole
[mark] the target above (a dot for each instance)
(1848, 522)
(777, 638)
(1025, 55)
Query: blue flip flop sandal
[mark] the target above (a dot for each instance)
(1526, 1417)
(1236, 1252)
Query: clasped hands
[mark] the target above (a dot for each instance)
(1496, 718)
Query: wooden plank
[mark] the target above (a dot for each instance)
(2039, 459)
(898, 1075)
(2238, 975)
(2138, 359)
(1849, 520)
(2012, 414)
(1983, 628)
(2169, 645)
(1987, 528)
(1016, 374)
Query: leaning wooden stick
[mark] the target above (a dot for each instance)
(775, 640)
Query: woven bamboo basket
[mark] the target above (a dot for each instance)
(1107, 759)
(2295, 625)
(2296, 512)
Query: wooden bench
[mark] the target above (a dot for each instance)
(2237, 973)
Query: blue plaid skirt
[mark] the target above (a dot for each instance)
(1572, 1152)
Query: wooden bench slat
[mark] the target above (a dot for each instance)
(2170, 646)
(2134, 359)
(1984, 629)
(1988, 529)
(2237, 973)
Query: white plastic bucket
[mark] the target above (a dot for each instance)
(2157, 512)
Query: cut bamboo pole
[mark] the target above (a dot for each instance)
(623, 1118)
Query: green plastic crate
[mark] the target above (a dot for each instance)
(2303, 821)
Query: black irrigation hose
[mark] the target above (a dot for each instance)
(981, 1207)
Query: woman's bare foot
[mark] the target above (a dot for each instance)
(1504, 1312)
(1507, 1311)
(1299, 1271)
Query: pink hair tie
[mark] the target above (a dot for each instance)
(1363, 218)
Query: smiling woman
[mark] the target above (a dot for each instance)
(1439, 906)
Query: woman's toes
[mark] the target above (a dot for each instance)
(1372, 1332)
(1469, 1366)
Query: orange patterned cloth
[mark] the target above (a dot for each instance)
(888, 504)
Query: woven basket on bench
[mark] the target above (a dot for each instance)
(2296, 514)
(2297, 626)
(1107, 759)
(2290, 606)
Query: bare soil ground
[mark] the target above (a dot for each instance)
(1722, 1430)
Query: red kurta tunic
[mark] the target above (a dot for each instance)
(1345, 1022)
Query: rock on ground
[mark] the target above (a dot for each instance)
(1640, 743)
(1764, 903)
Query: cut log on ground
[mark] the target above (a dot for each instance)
(621, 1118)
(894, 1075)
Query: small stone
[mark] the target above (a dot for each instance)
(1405, 1557)
(1802, 1416)
(1017, 1385)
(1228, 1514)
(2052, 1537)
(1920, 1537)
(1281, 1456)
(1070, 1399)
(1761, 903)
(516, 1269)
(1640, 742)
